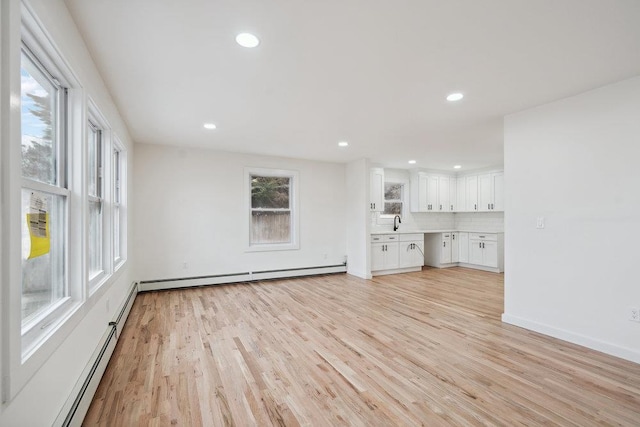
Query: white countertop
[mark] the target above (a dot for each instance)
(407, 231)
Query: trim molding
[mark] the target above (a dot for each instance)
(572, 337)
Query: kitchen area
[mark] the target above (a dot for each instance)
(437, 219)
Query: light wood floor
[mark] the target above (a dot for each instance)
(413, 349)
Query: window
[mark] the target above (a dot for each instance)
(96, 202)
(45, 198)
(118, 203)
(393, 199)
(272, 207)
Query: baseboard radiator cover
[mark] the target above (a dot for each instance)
(249, 276)
(76, 407)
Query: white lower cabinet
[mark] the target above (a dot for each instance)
(486, 249)
(384, 252)
(463, 247)
(396, 252)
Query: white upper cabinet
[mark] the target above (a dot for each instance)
(471, 185)
(444, 184)
(491, 192)
(461, 194)
(469, 193)
(376, 198)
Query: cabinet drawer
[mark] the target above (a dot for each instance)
(411, 237)
(385, 238)
(483, 236)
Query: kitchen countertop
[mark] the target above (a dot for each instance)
(376, 232)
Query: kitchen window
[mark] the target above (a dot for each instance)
(272, 209)
(393, 199)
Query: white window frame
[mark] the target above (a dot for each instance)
(23, 356)
(119, 206)
(294, 208)
(98, 122)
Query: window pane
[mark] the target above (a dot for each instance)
(92, 164)
(270, 227)
(38, 121)
(392, 208)
(392, 191)
(116, 232)
(116, 176)
(95, 238)
(43, 276)
(269, 192)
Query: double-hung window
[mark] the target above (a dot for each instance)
(118, 231)
(273, 209)
(45, 199)
(393, 201)
(95, 187)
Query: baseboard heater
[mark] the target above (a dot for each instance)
(76, 407)
(250, 276)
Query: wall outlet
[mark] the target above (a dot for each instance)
(185, 265)
(634, 314)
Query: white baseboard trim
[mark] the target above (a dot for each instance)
(585, 341)
(396, 271)
(187, 282)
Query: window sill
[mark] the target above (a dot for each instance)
(273, 247)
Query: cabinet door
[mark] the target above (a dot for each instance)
(464, 247)
(453, 187)
(432, 193)
(419, 192)
(391, 255)
(461, 194)
(498, 191)
(455, 247)
(490, 254)
(410, 255)
(445, 248)
(472, 193)
(377, 190)
(485, 198)
(443, 194)
(377, 256)
(475, 252)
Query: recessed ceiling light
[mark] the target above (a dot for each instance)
(457, 167)
(209, 126)
(343, 144)
(412, 162)
(247, 40)
(457, 96)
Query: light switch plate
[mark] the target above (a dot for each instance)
(540, 222)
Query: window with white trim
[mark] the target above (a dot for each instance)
(119, 219)
(95, 247)
(393, 199)
(272, 209)
(45, 199)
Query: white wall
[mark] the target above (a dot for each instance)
(190, 208)
(41, 399)
(357, 183)
(575, 163)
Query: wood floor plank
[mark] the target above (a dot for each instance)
(425, 348)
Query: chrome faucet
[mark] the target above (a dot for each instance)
(396, 225)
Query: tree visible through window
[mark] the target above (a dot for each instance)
(270, 210)
(392, 199)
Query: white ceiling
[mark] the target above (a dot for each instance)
(372, 72)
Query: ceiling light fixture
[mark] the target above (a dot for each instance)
(210, 126)
(247, 40)
(457, 96)
(457, 167)
(343, 144)
(412, 162)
